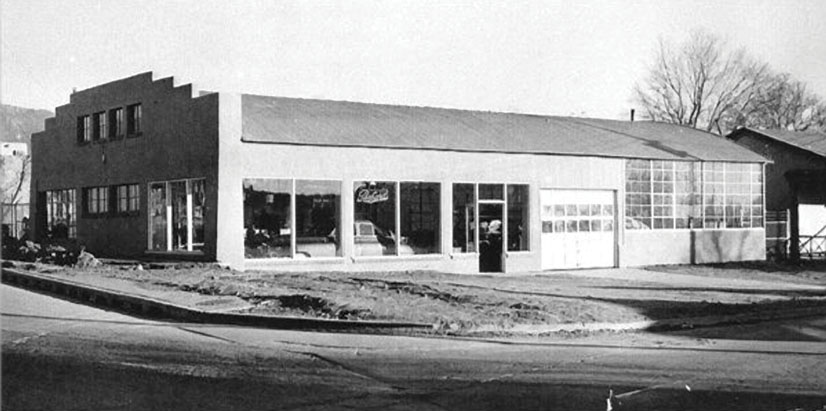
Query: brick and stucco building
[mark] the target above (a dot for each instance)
(142, 167)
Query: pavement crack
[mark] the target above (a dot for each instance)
(347, 368)
(203, 334)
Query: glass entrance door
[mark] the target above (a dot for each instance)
(490, 236)
(176, 215)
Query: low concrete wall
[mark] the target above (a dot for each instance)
(691, 246)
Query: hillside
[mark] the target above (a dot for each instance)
(17, 123)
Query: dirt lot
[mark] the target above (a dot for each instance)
(466, 304)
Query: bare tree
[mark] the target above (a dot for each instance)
(15, 176)
(783, 103)
(699, 84)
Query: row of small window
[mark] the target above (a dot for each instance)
(123, 199)
(61, 214)
(110, 125)
(577, 210)
(592, 225)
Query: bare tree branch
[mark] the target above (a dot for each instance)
(705, 85)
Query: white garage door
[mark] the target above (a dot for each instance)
(577, 228)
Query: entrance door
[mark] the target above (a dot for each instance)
(490, 237)
(176, 220)
(578, 228)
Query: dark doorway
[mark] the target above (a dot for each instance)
(490, 237)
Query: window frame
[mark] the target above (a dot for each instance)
(706, 176)
(167, 188)
(130, 198)
(294, 246)
(102, 198)
(505, 212)
(100, 128)
(116, 123)
(70, 204)
(84, 129)
(134, 120)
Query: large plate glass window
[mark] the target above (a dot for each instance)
(464, 218)
(267, 218)
(272, 207)
(61, 214)
(176, 221)
(375, 218)
(317, 218)
(518, 219)
(419, 208)
(157, 217)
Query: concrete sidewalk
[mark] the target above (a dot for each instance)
(688, 281)
(128, 297)
(172, 303)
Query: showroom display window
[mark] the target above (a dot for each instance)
(286, 218)
(384, 208)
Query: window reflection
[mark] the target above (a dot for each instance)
(317, 218)
(464, 214)
(375, 218)
(419, 212)
(518, 217)
(267, 218)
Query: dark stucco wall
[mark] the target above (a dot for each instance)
(179, 140)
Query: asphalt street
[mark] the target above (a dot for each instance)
(61, 355)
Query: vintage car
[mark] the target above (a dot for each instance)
(369, 240)
(372, 240)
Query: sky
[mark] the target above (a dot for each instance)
(568, 58)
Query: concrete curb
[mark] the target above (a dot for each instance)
(673, 324)
(158, 309)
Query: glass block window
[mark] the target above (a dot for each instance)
(638, 213)
(681, 194)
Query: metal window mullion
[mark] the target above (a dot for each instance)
(476, 217)
(292, 220)
(504, 249)
(651, 193)
(703, 193)
(398, 216)
(674, 194)
(189, 235)
(725, 194)
(763, 190)
(169, 223)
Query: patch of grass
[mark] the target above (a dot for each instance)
(461, 303)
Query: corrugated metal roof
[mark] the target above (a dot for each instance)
(336, 123)
(812, 141)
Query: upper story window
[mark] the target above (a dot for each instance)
(133, 119)
(116, 122)
(100, 126)
(84, 129)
